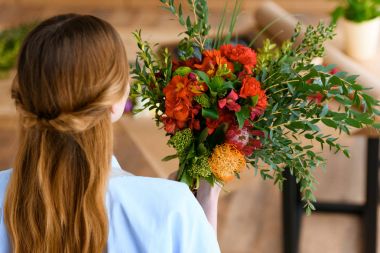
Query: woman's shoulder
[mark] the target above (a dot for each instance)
(148, 191)
(4, 179)
(159, 215)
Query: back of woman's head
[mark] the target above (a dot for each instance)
(72, 69)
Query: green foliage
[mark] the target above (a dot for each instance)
(210, 113)
(268, 53)
(181, 141)
(356, 10)
(312, 43)
(193, 157)
(200, 167)
(221, 37)
(197, 26)
(148, 84)
(203, 100)
(242, 115)
(291, 113)
(10, 44)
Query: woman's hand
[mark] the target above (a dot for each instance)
(208, 198)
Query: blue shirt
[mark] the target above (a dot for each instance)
(145, 215)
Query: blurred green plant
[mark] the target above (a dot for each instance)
(10, 43)
(357, 10)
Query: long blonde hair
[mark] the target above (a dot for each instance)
(72, 69)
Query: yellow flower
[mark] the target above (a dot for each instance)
(225, 161)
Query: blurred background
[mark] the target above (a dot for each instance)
(250, 218)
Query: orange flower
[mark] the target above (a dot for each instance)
(263, 101)
(179, 110)
(212, 59)
(242, 54)
(169, 124)
(250, 88)
(178, 98)
(198, 88)
(225, 161)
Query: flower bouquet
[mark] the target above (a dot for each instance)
(226, 106)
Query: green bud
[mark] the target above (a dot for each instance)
(182, 71)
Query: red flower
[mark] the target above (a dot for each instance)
(178, 98)
(197, 88)
(179, 95)
(334, 71)
(195, 123)
(237, 137)
(250, 88)
(212, 59)
(316, 98)
(262, 102)
(188, 63)
(230, 102)
(243, 139)
(256, 112)
(242, 54)
(224, 117)
(169, 124)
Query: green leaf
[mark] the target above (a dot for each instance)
(186, 178)
(353, 122)
(211, 113)
(320, 139)
(297, 125)
(309, 136)
(337, 14)
(313, 127)
(228, 85)
(203, 135)
(310, 153)
(243, 115)
(203, 76)
(254, 100)
(346, 153)
(202, 150)
(330, 123)
(182, 71)
(169, 157)
(216, 83)
(324, 111)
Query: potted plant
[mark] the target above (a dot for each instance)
(10, 43)
(361, 26)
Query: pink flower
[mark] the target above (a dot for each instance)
(245, 140)
(230, 102)
(257, 133)
(237, 137)
(256, 112)
(316, 98)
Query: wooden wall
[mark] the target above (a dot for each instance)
(293, 5)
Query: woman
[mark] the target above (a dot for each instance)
(61, 196)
